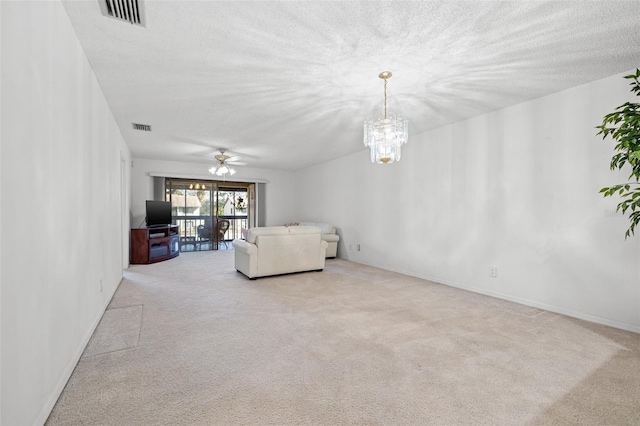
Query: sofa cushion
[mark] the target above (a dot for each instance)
(254, 233)
(304, 230)
(325, 228)
(268, 230)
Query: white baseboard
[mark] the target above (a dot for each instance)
(551, 308)
(57, 391)
(532, 303)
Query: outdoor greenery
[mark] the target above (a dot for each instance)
(623, 125)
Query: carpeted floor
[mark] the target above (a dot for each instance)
(190, 341)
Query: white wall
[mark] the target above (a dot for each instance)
(61, 207)
(280, 201)
(0, 229)
(516, 189)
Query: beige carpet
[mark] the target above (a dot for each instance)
(352, 345)
(119, 329)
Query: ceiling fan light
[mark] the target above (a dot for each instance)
(222, 168)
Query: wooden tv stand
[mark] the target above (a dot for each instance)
(155, 244)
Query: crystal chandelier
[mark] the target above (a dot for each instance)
(385, 135)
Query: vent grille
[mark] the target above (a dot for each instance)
(131, 11)
(143, 127)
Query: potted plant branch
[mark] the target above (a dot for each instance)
(623, 125)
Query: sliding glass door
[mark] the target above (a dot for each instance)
(197, 206)
(233, 205)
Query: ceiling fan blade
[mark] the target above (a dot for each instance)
(236, 163)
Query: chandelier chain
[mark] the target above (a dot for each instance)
(385, 98)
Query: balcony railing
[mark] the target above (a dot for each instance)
(190, 240)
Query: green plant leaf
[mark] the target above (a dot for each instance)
(623, 126)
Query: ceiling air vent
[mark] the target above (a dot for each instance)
(143, 127)
(131, 11)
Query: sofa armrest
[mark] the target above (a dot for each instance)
(245, 247)
(331, 237)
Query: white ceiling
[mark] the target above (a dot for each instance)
(286, 85)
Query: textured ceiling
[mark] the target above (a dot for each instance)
(286, 85)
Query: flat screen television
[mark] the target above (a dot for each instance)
(158, 213)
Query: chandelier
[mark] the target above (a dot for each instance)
(197, 186)
(385, 135)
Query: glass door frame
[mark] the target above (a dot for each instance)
(190, 238)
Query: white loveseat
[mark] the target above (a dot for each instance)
(328, 233)
(275, 250)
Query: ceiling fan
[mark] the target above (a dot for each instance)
(224, 164)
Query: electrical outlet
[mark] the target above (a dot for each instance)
(350, 247)
(493, 271)
(357, 247)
